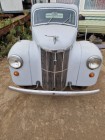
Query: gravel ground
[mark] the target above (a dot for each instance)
(32, 117)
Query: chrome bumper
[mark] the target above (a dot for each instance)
(44, 92)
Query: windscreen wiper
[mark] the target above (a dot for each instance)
(49, 20)
(66, 20)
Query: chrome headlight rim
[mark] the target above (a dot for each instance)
(16, 58)
(94, 58)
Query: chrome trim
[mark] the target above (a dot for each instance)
(44, 92)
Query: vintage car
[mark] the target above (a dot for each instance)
(54, 60)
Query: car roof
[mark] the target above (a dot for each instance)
(54, 5)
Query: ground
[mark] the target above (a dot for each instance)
(33, 117)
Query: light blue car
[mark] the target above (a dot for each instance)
(54, 60)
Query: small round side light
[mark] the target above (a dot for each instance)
(91, 75)
(16, 73)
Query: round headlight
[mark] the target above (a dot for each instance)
(94, 62)
(15, 61)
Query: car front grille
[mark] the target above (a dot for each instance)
(54, 69)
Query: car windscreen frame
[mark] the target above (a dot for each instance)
(59, 23)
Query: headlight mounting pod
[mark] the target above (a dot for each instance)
(94, 62)
(15, 61)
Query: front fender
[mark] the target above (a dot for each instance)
(78, 72)
(29, 73)
(88, 49)
(74, 63)
(35, 63)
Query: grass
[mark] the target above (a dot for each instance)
(16, 34)
(5, 22)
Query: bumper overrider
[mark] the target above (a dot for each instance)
(58, 93)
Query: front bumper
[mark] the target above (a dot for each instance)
(44, 92)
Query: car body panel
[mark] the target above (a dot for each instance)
(65, 36)
(74, 63)
(21, 49)
(35, 63)
(88, 50)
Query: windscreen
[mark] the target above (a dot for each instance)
(49, 16)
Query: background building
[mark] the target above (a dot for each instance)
(84, 5)
(9, 6)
